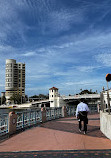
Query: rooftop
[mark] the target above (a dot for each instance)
(53, 88)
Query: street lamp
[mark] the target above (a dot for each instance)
(108, 79)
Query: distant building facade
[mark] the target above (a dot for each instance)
(104, 98)
(14, 79)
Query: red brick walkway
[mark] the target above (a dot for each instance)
(61, 134)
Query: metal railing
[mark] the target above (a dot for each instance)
(93, 108)
(27, 119)
(3, 124)
(71, 110)
(53, 113)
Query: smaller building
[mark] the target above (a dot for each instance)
(55, 99)
(53, 96)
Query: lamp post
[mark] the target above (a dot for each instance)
(108, 98)
(1, 100)
(108, 79)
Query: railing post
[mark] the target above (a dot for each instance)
(23, 120)
(35, 116)
(50, 114)
(64, 111)
(54, 113)
(12, 122)
(43, 111)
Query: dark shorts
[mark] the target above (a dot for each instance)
(83, 116)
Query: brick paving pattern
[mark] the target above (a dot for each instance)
(59, 154)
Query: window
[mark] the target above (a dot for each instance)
(10, 79)
(8, 85)
(8, 75)
(52, 95)
(8, 65)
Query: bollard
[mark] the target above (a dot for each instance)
(64, 111)
(43, 111)
(12, 122)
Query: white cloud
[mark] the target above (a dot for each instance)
(37, 90)
(62, 46)
(38, 76)
(11, 23)
(104, 58)
(61, 20)
(6, 48)
(86, 41)
(84, 82)
(88, 68)
(28, 54)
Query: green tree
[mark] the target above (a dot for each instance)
(16, 98)
(3, 100)
(40, 96)
(86, 91)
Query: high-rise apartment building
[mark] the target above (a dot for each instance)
(15, 78)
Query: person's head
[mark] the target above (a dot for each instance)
(82, 100)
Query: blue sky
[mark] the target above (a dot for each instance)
(64, 43)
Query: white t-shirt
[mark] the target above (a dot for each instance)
(81, 107)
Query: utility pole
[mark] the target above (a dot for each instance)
(108, 79)
(108, 99)
(1, 100)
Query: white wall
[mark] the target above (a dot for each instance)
(53, 97)
(60, 102)
(105, 124)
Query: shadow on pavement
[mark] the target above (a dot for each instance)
(72, 127)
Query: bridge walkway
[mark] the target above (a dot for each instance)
(58, 138)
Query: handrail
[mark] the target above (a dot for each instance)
(27, 119)
(3, 124)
